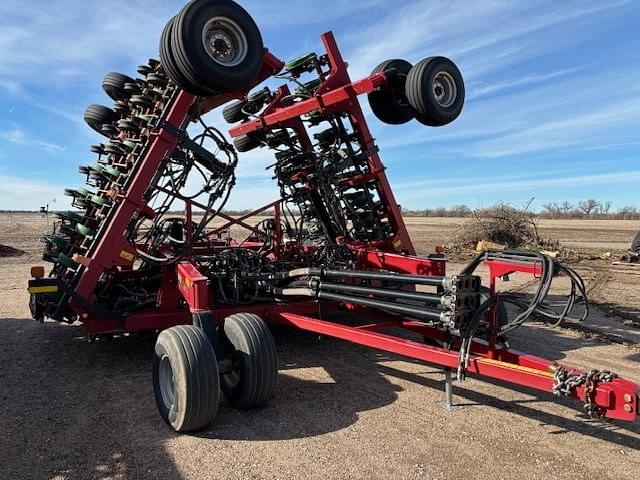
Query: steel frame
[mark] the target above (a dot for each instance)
(183, 282)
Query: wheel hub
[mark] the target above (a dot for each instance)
(444, 89)
(224, 41)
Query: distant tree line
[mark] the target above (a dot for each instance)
(584, 209)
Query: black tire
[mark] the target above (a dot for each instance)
(233, 63)
(635, 246)
(113, 85)
(186, 382)
(233, 113)
(435, 90)
(169, 63)
(390, 103)
(98, 115)
(252, 382)
(246, 143)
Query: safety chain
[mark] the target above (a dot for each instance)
(566, 381)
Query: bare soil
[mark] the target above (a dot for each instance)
(71, 409)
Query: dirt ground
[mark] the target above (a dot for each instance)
(71, 409)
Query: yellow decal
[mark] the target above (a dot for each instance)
(397, 244)
(127, 256)
(519, 368)
(49, 289)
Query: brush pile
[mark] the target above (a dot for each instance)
(501, 224)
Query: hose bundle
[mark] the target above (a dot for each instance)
(538, 305)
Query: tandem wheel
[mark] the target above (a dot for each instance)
(187, 381)
(432, 92)
(211, 47)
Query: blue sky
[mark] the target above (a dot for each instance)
(552, 110)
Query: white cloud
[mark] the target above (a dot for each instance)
(18, 136)
(481, 89)
(480, 36)
(18, 193)
(65, 48)
(578, 129)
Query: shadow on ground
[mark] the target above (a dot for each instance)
(77, 410)
(84, 410)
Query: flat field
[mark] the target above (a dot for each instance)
(71, 409)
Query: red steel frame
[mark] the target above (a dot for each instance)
(617, 399)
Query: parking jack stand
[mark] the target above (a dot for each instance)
(448, 391)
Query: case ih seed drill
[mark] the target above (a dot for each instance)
(123, 262)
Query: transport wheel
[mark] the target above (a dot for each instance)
(252, 381)
(246, 143)
(98, 115)
(215, 46)
(169, 63)
(186, 382)
(233, 113)
(435, 90)
(635, 246)
(389, 103)
(114, 83)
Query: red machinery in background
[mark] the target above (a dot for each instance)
(124, 261)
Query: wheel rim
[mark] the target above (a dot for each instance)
(224, 41)
(167, 383)
(232, 379)
(444, 89)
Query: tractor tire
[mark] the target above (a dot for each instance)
(246, 143)
(635, 246)
(217, 47)
(435, 90)
(186, 382)
(389, 103)
(98, 115)
(252, 382)
(233, 113)
(113, 85)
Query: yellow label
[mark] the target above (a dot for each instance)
(128, 256)
(519, 368)
(397, 244)
(48, 289)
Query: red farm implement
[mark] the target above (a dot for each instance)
(124, 261)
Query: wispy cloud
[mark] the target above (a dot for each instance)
(481, 89)
(18, 136)
(579, 129)
(480, 36)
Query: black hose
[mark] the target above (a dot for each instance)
(417, 296)
(550, 268)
